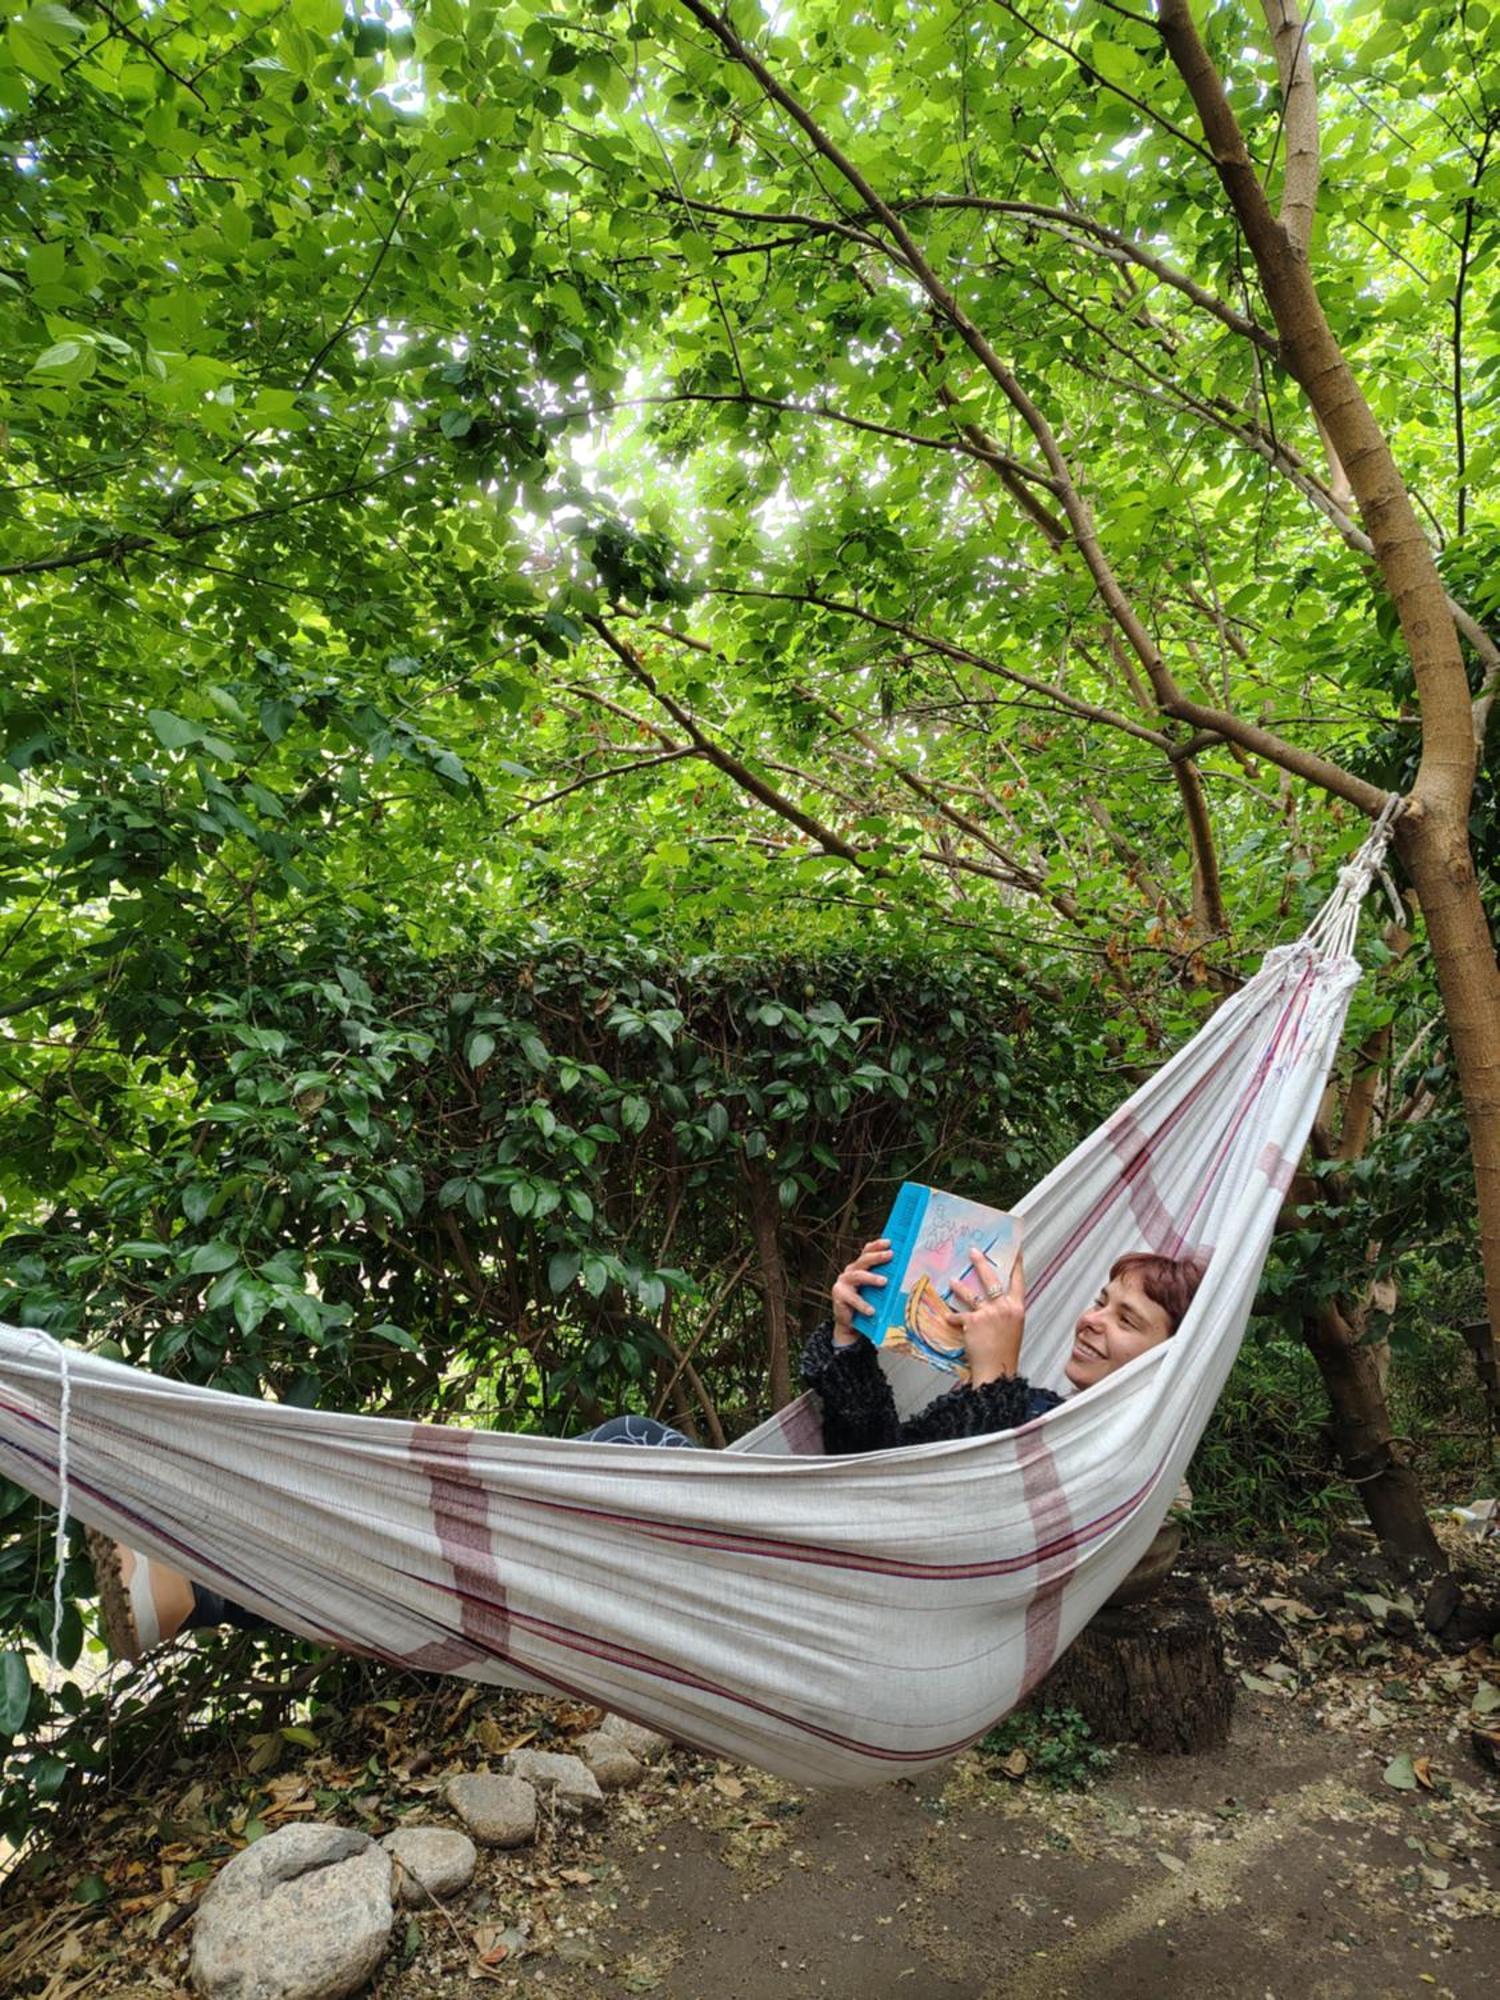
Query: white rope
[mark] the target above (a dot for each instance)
(60, 1546)
(1332, 930)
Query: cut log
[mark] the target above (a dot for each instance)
(1151, 1673)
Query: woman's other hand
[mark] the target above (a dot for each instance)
(992, 1320)
(846, 1297)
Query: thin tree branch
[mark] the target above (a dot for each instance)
(724, 760)
(359, 297)
(948, 649)
(122, 546)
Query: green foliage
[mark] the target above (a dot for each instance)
(1053, 1745)
(518, 1187)
(1265, 1465)
(356, 1170)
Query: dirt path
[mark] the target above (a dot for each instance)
(1274, 1869)
(1285, 1868)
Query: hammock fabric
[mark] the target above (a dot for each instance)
(837, 1621)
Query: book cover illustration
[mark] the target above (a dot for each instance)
(931, 1234)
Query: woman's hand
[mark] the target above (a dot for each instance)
(846, 1296)
(993, 1320)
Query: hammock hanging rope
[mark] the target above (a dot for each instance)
(837, 1621)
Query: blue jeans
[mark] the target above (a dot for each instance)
(638, 1430)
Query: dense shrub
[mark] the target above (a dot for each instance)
(558, 1179)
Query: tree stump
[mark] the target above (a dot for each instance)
(1149, 1673)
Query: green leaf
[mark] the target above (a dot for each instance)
(197, 1201)
(61, 357)
(15, 1693)
(173, 731)
(1400, 1773)
(478, 1049)
(563, 1267)
(276, 717)
(321, 17)
(50, 21)
(211, 1257)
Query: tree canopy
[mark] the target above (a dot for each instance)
(729, 489)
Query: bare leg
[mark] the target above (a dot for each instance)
(144, 1603)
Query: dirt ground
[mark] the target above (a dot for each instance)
(1346, 1843)
(1283, 1866)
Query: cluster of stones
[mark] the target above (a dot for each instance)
(306, 1913)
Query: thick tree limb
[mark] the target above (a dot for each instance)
(1432, 833)
(1276, 750)
(1303, 173)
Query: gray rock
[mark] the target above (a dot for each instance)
(430, 1861)
(499, 1812)
(569, 1778)
(609, 1760)
(644, 1744)
(302, 1914)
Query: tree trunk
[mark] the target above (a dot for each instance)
(765, 1228)
(1434, 844)
(1151, 1674)
(1432, 833)
(1362, 1437)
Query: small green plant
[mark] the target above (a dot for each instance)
(1053, 1745)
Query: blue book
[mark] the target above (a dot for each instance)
(932, 1234)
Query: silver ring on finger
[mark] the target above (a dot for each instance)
(995, 1292)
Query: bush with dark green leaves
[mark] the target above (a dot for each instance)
(552, 1181)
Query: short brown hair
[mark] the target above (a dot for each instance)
(1169, 1282)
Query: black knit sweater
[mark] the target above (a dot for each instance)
(859, 1411)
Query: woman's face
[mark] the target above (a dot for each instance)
(1120, 1324)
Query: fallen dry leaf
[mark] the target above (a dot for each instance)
(730, 1787)
(1287, 1607)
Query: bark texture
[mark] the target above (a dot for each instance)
(1151, 1674)
(765, 1215)
(1368, 1453)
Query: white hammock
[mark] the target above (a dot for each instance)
(838, 1621)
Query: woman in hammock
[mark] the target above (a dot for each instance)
(1140, 1305)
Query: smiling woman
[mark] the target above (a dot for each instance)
(1140, 1305)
